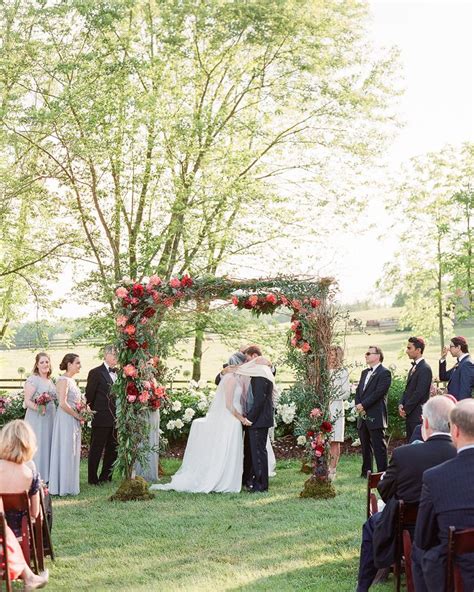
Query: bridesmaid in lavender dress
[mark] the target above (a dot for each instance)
(41, 418)
(66, 445)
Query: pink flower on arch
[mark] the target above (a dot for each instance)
(296, 304)
(130, 330)
(131, 398)
(294, 342)
(144, 396)
(316, 412)
(271, 298)
(121, 292)
(130, 370)
(235, 300)
(252, 300)
(305, 348)
(154, 281)
(121, 320)
(175, 283)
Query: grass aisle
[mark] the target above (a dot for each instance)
(177, 541)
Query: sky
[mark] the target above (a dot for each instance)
(435, 38)
(436, 41)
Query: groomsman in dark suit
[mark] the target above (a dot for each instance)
(417, 390)
(447, 499)
(371, 404)
(460, 377)
(104, 431)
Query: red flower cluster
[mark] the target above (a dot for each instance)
(297, 340)
(260, 303)
(158, 395)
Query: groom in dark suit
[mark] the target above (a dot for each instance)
(371, 404)
(261, 415)
(104, 432)
(417, 390)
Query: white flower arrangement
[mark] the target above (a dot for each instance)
(188, 414)
(176, 405)
(171, 424)
(287, 412)
(203, 404)
(178, 424)
(301, 440)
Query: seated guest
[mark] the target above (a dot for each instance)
(402, 481)
(17, 448)
(416, 435)
(17, 566)
(447, 499)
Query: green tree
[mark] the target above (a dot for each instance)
(166, 124)
(436, 237)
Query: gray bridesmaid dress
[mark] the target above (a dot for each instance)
(66, 446)
(42, 425)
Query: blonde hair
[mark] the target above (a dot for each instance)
(17, 442)
(337, 349)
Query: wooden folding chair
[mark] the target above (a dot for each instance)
(47, 542)
(372, 482)
(4, 572)
(20, 502)
(406, 517)
(459, 542)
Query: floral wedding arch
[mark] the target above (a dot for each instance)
(142, 304)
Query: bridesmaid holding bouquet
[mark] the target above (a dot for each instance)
(66, 446)
(39, 400)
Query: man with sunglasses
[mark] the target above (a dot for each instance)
(371, 404)
(460, 377)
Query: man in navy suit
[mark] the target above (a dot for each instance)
(447, 499)
(417, 390)
(402, 481)
(461, 376)
(371, 404)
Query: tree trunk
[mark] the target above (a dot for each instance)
(197, 353)
(440, 292)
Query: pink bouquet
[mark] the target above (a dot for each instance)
(41, 402)
(85, 412)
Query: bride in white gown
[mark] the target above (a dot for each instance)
(213, 459)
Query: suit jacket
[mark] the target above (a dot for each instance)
(417, 391)
(460, 378)
(402, 481)
(447, 499)
(261, 413)
(99, 397)
(374, 397)
(404, 475)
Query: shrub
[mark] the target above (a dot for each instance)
(11, 407)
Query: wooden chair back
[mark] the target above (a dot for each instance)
(20, 502)
(46, 532)
(4, 571)
(372, 482)
(407, 514)
(459, 542)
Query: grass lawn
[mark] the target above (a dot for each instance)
(178, 541)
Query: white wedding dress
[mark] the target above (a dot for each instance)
(213, 459)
